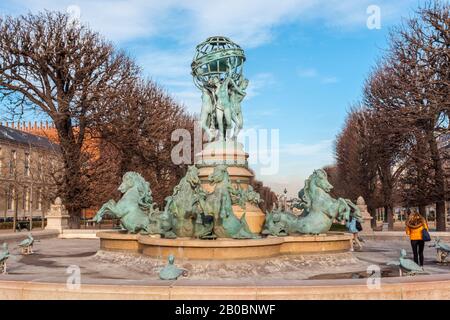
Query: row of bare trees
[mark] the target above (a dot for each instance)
(134, 131)
(108, 119)
(268, 197)
(388, 150)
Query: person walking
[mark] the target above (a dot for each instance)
(415, 224)
(352, 228)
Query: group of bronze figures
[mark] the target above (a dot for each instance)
(193, 212)
(189, 212)
(221, 105)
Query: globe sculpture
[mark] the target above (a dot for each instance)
(212, 58)
(217, 70)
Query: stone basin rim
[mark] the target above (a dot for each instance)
(225, 249)
(223, 242)
(404, 288)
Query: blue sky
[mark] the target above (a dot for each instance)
(306, 60)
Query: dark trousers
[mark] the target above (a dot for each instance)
(417, 248)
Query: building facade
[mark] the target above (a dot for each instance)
(29, 165)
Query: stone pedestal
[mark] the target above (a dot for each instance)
(58, 217)
(233, 155)
(366, 225)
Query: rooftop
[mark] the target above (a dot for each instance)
(25, 138)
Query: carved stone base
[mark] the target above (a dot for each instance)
(232, 154)
(222, 152)
(366, 225)
(57, 222)
(58, 217)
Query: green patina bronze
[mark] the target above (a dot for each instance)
(189, 212)
(218, 204)
(170, 271)
(241, 196)
(136, 210)
(409, 266)
(192, 212)
(26, 245)
(319, 210)
(184, 206)
(4, 256)
(442, 250)
(209, 215)
(217, 70)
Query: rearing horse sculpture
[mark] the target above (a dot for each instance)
(218, 205)
(319, 210)
(183, 205)
(136, 210)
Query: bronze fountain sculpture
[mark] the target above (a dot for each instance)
(194, 212)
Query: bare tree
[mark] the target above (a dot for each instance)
(356, 167)
(390, 136)
(415, 89)
(267, 195)
(135, 129)
(406, 102)
(49, 64)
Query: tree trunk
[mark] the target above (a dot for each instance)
(373, 214)
(16, 213)
(75, 221)
(390, 217)
(440, 216)
(439, 178)
(72, 189)
(30, 207)
(423, 210)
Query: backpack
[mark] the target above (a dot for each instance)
(358, 226)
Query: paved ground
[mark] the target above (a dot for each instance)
(9, 231)
(17, 236)
(381, 251)
(53, 257)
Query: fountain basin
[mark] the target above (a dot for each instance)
(224, 249)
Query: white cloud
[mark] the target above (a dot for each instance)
(296, 162)
(327, 80)
(301, 149)
(171, 68)
(313, 73)
(186, 23)
(190, 98)
(307, 73)
(258, 82)
(168, 30)
(166, 64)
(251, 22)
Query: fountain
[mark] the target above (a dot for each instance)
(213, 212)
